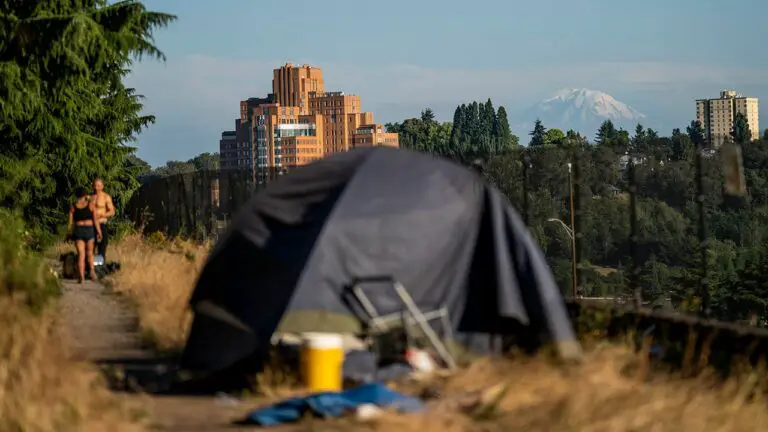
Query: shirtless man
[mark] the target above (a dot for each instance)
(104, 209)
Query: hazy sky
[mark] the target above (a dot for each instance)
(402, 56)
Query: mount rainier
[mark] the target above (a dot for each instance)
(582, 110)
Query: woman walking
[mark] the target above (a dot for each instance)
(85, 230)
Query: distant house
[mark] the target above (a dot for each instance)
(624, 161)
(606, 190)
(613, 191)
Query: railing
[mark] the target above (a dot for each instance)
(196, 204)
(199, 204)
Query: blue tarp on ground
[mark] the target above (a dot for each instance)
(334, 404)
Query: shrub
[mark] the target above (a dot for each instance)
(22, 270)
(157, 239)
(120, 229)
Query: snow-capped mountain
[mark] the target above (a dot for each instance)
(582, 110)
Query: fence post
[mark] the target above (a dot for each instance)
(195, 204)
(634, 286)
(703, 246)
(526, 159)
(168, 208)
(577, 220)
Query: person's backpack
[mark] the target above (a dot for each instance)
(69, 265)
(101, 268)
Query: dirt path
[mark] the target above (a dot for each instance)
(104, 330)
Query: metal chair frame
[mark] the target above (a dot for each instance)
(411, 314)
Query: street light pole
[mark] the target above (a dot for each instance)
(562, 224)
(574, 281)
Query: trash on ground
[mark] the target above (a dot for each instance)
(362, 367)
(322, 359)
(420, 360)
(367, 412)
(336, 404)
(224, 399)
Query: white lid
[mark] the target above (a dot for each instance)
(323, 340)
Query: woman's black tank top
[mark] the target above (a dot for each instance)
(82, 214)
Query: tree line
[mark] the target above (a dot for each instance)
(478, 130)
(202, 162)
(663, 170)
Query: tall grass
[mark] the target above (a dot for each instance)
(602, 394)
(41, 389)
(158, 275)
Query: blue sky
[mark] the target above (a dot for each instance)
(402, 56)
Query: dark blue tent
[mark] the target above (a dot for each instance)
(433, 225)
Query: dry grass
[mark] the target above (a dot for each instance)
(41, 390)
(158, 276)
(602, 394)
(604, 271)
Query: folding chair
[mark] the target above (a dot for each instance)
(411, 314)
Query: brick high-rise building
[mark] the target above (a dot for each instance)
(371, 135)
(247, 106)
(292, 85)
(284, 138)
(342, 115)
(235, 150)
(298, 123)
(230, 151)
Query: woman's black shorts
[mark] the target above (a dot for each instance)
(83, 233)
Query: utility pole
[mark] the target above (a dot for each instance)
(574, 273)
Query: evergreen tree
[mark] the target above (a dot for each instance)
(473, 122)
(740, 132)
(622, 142)
(502, 130)
(682, 147)
(696, 134)
(65, 115)
(575, 139)
(487, 119)
(470, 122)
(458, 124)
(538, 134)
(428, 116)
(606, 134)
(639, 142)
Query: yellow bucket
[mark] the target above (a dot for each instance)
(322, 359)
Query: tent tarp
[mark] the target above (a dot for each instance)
(435, 226)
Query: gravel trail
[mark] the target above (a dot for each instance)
(103, 329)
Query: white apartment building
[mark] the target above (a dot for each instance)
(717, 115)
